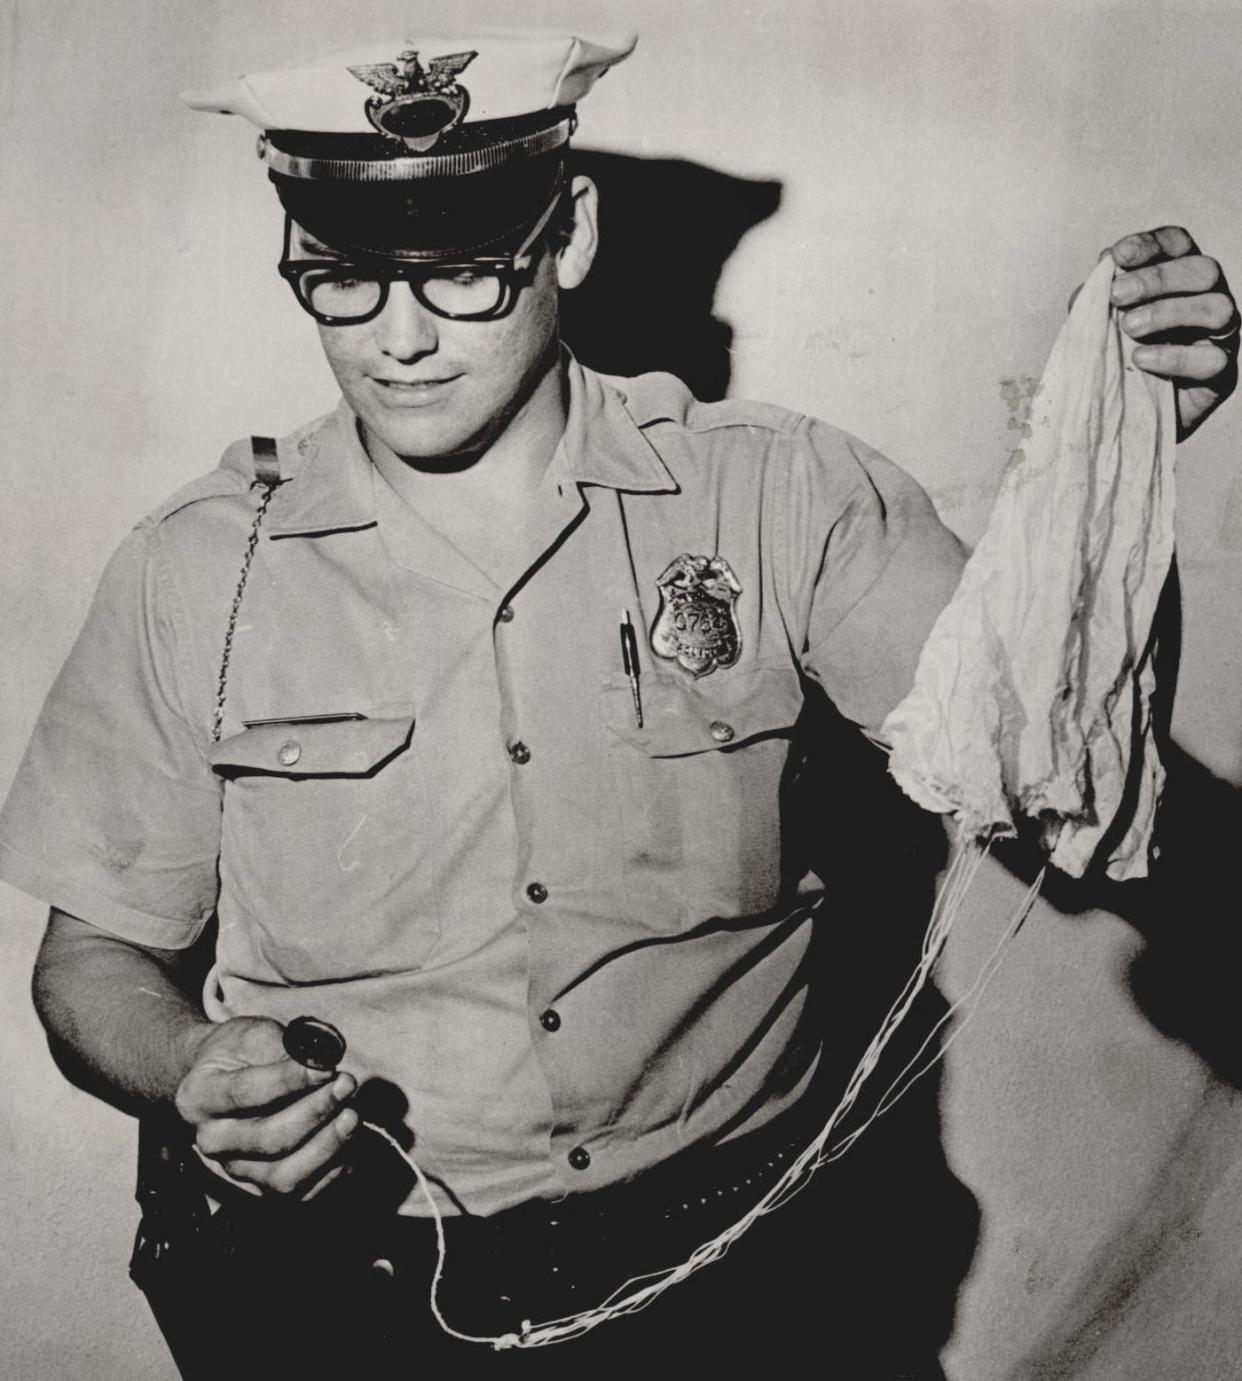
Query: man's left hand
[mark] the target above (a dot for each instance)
(1176, 301)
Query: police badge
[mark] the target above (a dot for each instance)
(695, 625)
(422, 102)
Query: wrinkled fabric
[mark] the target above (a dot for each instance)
(1033, 692)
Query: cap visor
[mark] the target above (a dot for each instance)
(432, 218)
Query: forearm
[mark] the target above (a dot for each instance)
(118, 1022)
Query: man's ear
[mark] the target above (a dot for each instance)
(578, 253)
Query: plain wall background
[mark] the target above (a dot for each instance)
(949, 172)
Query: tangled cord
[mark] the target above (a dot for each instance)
(639, 1291)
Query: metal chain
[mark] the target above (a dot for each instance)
(217, 723)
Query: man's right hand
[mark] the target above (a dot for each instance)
(262, 1117)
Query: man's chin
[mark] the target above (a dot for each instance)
(425, 441)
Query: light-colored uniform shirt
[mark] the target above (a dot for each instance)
(575, 944)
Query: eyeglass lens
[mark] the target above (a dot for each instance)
(462, 292)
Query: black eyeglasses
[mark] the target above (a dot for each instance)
(340, 292)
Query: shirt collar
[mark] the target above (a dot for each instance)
(333, 487)
(603, 445)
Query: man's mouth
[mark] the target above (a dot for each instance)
(411, 389)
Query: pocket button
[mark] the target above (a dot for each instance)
(288, 753)
(721, 732)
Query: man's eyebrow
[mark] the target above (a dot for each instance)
(305, 240)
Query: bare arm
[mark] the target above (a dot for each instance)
(118, 1017)
(123, 1027)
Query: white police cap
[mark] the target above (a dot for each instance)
(437, 106)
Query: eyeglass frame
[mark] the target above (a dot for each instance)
(508, 268)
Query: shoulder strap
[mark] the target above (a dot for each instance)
(266, 461)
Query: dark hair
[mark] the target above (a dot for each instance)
(556, 234)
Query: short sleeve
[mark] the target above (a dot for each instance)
(880, 567)
(114, 816)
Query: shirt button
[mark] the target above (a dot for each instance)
(580, 1158)
(382, 1266)
(721, 732)
(288, 753)
(550, 1020)
(506, 613)
(537, 892)
(519, 753)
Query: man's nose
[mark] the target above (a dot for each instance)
(405, 329)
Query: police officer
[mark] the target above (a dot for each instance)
(468, 712)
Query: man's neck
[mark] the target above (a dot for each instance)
(481, 503)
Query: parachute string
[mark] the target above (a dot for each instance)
(968, 1003)
(639, 1291)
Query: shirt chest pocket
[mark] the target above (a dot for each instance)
(324, 870)
(699, 787)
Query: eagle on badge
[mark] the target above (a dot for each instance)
(696, 625)
(421, 103)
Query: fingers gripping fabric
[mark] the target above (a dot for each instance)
(1033, 691)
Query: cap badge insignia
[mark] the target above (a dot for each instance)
(416, 105)
(696, 625)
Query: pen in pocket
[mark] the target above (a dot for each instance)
(629, 659)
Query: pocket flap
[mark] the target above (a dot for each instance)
(310, 748)
(722, 711)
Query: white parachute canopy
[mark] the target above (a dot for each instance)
(1033, 691)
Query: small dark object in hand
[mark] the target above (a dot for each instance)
(314, 1043)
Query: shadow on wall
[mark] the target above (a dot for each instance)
(667, 228)
(1184, 980)
(900, 1229)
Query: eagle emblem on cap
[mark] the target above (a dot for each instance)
(696, 625)
(416, 105)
